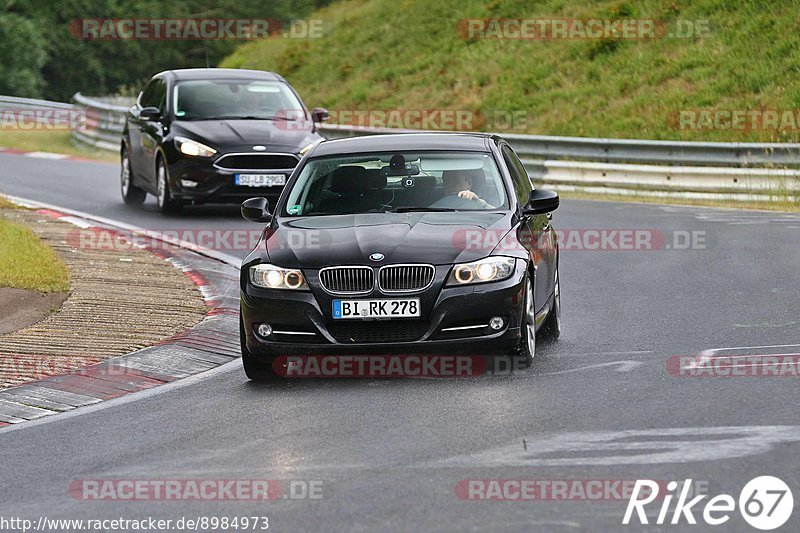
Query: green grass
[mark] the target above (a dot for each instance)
(56, 141)
(27, 263)
(782, 206)
(407, 54)
(5, 204)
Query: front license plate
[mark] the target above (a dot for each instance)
(394, 308)
(260, 180)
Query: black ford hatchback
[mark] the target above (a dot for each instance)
(415, 243)
(213, 135)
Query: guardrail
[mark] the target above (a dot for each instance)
(543, 147)
(31, 112)
(730, 171)
(107, 118)
(16, 102)
(695, 170)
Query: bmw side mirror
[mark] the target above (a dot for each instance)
(256, 210)
(150, 113)
(541, 201)
(320, 114)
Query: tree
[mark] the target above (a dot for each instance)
(22, 56)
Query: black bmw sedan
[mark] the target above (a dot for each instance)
(213, 135)
(402, 244)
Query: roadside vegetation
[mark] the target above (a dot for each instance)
(779, 204)
(43, 53)
(26, 262)
(55, 141)
(385, 55)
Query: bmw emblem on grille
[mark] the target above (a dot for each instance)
(377, 257)
(259, 148)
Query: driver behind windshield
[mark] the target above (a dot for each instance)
(250, 103)
(458, 189)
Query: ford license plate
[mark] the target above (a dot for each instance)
(260, 180)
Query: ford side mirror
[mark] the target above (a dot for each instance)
(150, 113)
(256, 210)
(541, 201)
(319, 114)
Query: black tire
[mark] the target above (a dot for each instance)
(166, 204)
(131, 194)
(551, 329)
(527, 345)
(254, 369)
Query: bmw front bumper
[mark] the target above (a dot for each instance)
(302, 321)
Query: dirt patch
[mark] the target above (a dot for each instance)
(21, 308)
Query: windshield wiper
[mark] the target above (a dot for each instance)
(244, 117)
(421, 209)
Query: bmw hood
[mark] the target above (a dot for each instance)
(435, 238)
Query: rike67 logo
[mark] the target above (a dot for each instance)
(765, 503)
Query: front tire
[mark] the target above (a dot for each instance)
(131, 194)
(527, 344)
(551, 329)
(166, 204)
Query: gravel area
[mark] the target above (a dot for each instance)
(121, 300)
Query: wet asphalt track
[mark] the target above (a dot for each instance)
(389, 453)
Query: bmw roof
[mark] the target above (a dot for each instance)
(476, 142)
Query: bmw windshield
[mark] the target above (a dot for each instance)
(397, 182)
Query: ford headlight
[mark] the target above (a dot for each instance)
(193, 148)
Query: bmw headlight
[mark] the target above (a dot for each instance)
(483, 271)
(272, 277)
(193, 148)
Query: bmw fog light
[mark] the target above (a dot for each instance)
(265, 330)
(496, 323)
(189, 184)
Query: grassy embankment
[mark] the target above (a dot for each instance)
(26, 262)
(385, 55)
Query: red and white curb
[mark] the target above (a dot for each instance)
(209, 344)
